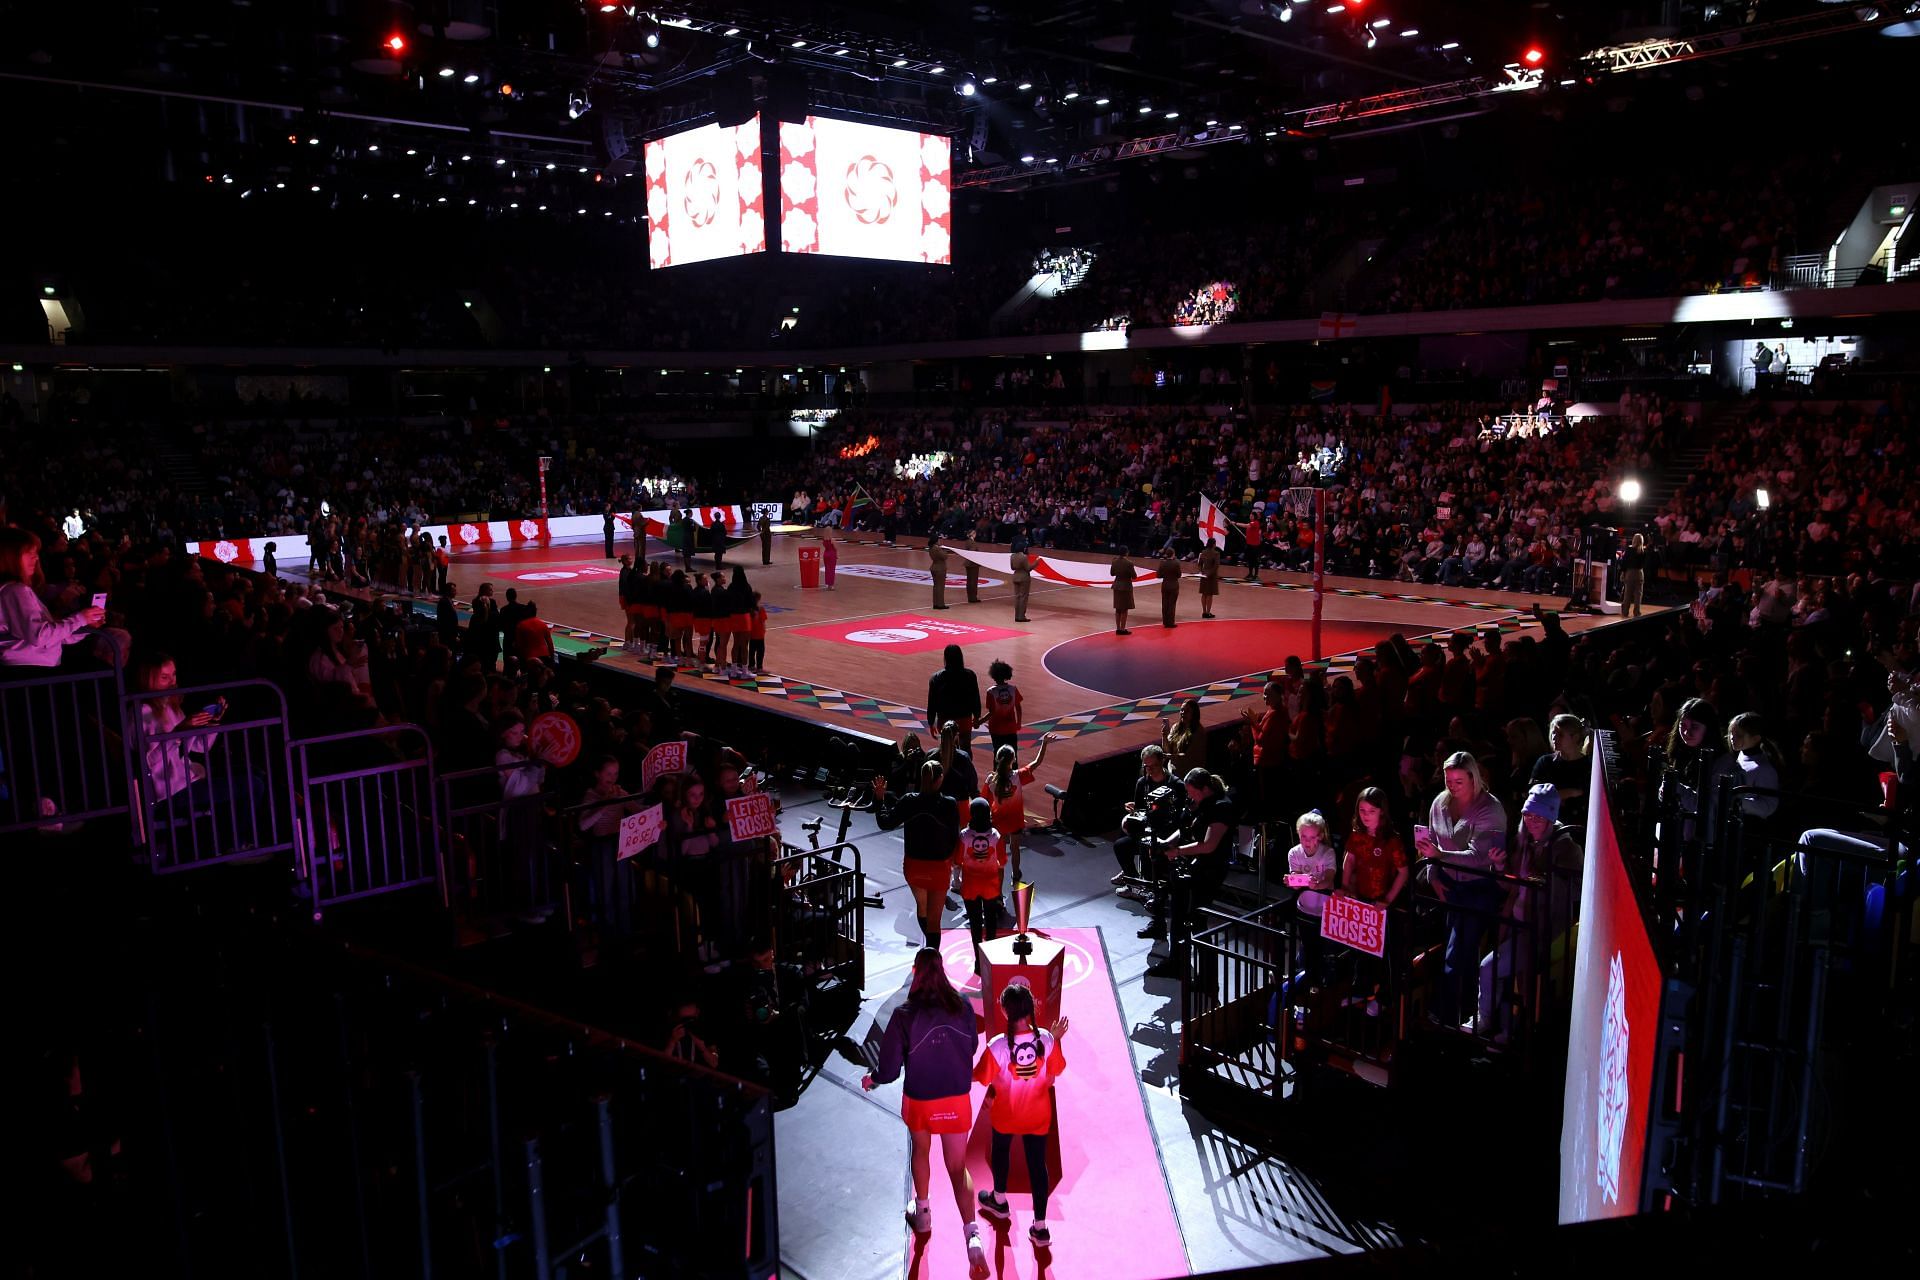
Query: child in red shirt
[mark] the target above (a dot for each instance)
(980, 855)
(1019, 1069)
(1374, 870)
(1003, 707)
(1004, 790)
(757, 636)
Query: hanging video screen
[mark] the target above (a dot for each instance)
(864, 191)
(704, 195)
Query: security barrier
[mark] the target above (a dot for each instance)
(214, 792)
(60, 749)
(367, 818)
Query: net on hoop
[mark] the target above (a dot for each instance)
(1298, 502)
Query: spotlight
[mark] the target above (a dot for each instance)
(936, 71)
(799, 44)
(1146, 109)
(577, 106)
(1410, 33)
(1070, 95)
(446, 73)
(583, 168)
(373, 146)
(397, 42)
(1101, 102)
(731, 31)
(466, 157)
(472, 77)
(1629, 491)
(1533, 56)
(1026, 159)
(1372, 39)
(314, 187)
(47, 289)
(990, 80)
(901, 62)
(1025, 85)
(313, 142)
(1382, 22)
(1450, 45)
(1286, 15)
(653, 36)
(498, 163)
(1173, 115)
(472, 202)
(579, 210)
(1762, 499)
(966, 89)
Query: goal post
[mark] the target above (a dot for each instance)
(1304, 503)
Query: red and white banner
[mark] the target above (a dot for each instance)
(906, 633)
(704, 197)
(1069, 573)
(1213, 525)
(1356, 924)
(865, 191)
(668, 757)
(641, 831)
(751, 817)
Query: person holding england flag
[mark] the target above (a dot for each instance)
(1212, 531)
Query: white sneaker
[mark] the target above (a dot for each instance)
(976, 1252)
(919, 1218)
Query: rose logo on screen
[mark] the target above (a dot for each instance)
(469, 534)
(1614, 1093)
(528, 529)
(886, 635)
(702, 193)
(225, 552)
(871, 192)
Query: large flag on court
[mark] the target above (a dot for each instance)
(1213, 525)
(1067, 573)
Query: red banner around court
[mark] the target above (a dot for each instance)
(906, 633)
(751, 817)
(1356, 924)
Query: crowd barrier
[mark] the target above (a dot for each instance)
(367, 818)
(1265, 996)
(60, 749)
(216, 792)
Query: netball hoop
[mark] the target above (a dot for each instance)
(1303, 504)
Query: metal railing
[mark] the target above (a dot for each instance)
(499, 860)
(367, 816)
(214, 792)
(819, 911)
(60, 745)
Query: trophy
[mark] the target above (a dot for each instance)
(1022, 910)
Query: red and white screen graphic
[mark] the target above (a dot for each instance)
(862, 191)
(704, 196)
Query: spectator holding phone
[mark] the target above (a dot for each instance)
(1310, 871)
(30, 636)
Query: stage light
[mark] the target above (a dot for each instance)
(497, 163)
(1382, 22)
(1025, 85)
(990, 80)
(899, 62)
(1233, 128)
(1070, 95)
(1146, 109)
(1451, 44)
(1336, 8)
(1173, 115)
(577, 106)
(397, 42)
(549, 164)
(543, 208)
(1372, 39)
(1053, 159)
(936, 71)
(313, 142)
(373, 146)
(653, 37)
(47, 289)
(1026, 159)
(966, 89)
(1410, 33)
(799, 44)
(579, 210)
(1532, 56)
(314, 187)
(1286, 15)
(731, 31)
(583, 168)
(396, 195)
(1212, 123)
(1101, 102)
(446, 73)
(466, 157)
(227, 179)
(472, 77)
(1629, 491)
(1762, 499)
(441, 200)
(279, 186)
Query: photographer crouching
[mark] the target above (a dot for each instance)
(1195, 857)
(1143, 823)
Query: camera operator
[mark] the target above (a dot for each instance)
(1144, 822)
(1197, 864)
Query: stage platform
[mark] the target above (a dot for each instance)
(860, 655)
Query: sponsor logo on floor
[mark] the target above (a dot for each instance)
(906, 633)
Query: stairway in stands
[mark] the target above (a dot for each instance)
(1688, 457)
(174, 464)
(1039, 287)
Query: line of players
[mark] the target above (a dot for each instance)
(693, 620)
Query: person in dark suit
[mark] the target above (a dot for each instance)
(937, 557)
(766, 538)
(606, 529)
(1022, 582)
(1169, 571)
(954, 694)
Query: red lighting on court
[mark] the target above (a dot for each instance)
(1533, 56)
(396, 42)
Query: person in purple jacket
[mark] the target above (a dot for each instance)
(931, 1038)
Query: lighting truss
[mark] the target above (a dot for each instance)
(1006, 175)
(1331, 114)
(1828, 21)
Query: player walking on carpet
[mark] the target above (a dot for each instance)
(930, 1038)
(1019, 1069)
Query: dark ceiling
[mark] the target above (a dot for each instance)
(186, 90)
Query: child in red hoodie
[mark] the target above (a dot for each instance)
(1020, 1067)
(980, 855)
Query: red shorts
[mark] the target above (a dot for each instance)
(636, 610)
(680, 621)
(701, 626)
(938, 1115)
(929, 876)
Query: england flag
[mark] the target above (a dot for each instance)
(1213, 525)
